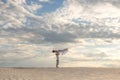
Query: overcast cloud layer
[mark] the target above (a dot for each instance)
(89, 28)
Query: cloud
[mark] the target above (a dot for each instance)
(88, 2)
(72, 20)
(33, 8)
(44, 0)
(92, 21)
(58, 37)
(24, 54)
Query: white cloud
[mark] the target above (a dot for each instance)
(19, 2)
(44, 0)
(9, 40)
(14, 13)
(33, 7)
(100, 20)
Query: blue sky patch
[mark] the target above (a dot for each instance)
(4, 1)
(50, 7)
(47, 7)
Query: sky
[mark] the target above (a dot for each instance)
(31, 29)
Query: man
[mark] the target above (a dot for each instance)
(57, 53)
(57, 57)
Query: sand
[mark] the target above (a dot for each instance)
(59, 74)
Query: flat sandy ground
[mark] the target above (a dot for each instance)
(59, 74)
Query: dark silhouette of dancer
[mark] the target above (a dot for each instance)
(57, 57)
(57, 53)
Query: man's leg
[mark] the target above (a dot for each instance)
(57, 63)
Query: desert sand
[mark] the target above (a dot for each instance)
(59, 74)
